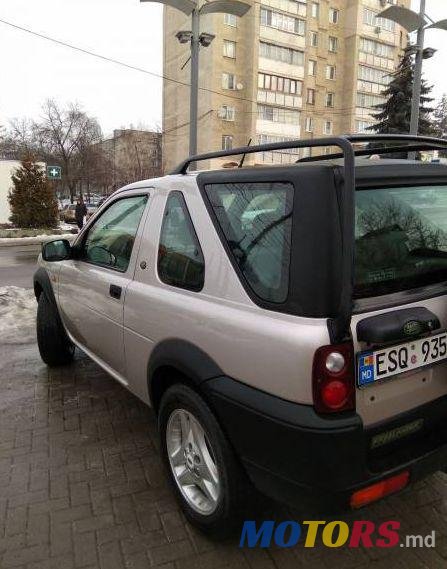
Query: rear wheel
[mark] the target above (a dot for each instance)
(54, 345)
(208, 481)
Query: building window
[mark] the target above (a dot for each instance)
(229, 48)
(362, 126)
(271, 138)
(368, 101)
(180, 258)
(312, 67)
(334, 15)
(328, 127)
(330, 72)
(230, 20)
(315, 10)
(333, 44)
(279, 53)
(227, 113)
(330, 98)
(282, 22)
(374, 75)
(227, 142)
(370, 18)
(228, 81)
(376, 48)
(278, 114)
(310, 99)
(279, 84)
(309, 126)
(313, 38)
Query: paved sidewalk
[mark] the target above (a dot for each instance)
(82, 485)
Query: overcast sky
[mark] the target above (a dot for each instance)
(32, 69)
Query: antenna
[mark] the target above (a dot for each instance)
(241, 163)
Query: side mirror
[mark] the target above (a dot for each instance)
(57, 250)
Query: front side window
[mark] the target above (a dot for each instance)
(109, 242)
(400, 239)
(180, 258)
(256, 221)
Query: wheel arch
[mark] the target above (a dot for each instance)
(178, 361)
(42, 283)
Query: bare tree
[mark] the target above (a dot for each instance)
(65, 135)
(62, 136)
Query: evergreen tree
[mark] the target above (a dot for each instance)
(440, 115)
(394, 115)
(32, 200)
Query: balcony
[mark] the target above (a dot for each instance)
(279, 99)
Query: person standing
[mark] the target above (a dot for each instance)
(80, 212)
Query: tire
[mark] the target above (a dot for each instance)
(54, 345)
(234, 489)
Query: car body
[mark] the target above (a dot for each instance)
(315, 371)
(91, 209)
(68, 214)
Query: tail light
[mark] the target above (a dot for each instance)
(333, 378)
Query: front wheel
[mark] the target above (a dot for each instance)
(54, 345)
(208, 481)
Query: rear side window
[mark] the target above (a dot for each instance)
(256, 221)
(180, 257)
(401, 239)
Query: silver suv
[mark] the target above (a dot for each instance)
(229, 301)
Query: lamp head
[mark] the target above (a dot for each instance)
(183, 36)
(429, 52)
(206, 39)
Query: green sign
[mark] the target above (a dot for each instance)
(54, 172)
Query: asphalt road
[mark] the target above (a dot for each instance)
(17, 265)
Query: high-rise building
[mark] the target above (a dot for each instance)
(288, 69)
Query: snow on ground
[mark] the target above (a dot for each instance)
(18, 308)
(6, 241)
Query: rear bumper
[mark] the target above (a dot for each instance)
(296, 456)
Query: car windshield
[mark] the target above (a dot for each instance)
(400, 239)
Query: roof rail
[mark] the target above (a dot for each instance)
(420, 143)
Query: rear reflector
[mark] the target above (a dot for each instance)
(379, 490)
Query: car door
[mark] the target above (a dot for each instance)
(92, 285)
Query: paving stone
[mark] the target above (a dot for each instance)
(82, 486)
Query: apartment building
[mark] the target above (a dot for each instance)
(288, 69)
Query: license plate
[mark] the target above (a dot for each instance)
(381, 364)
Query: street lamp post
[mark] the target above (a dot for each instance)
(412, 21)
(196, 39)
(417, 82)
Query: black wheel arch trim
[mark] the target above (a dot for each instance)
(187, 358)
(41, 279)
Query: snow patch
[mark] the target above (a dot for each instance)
(18, 309)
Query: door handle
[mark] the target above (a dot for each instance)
(115, 291)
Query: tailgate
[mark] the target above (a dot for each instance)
(400, 257)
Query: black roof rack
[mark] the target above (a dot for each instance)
(339, 327)
(418, 143)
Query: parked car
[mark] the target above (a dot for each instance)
(68, 213)
(91, 209)
(229, 301)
